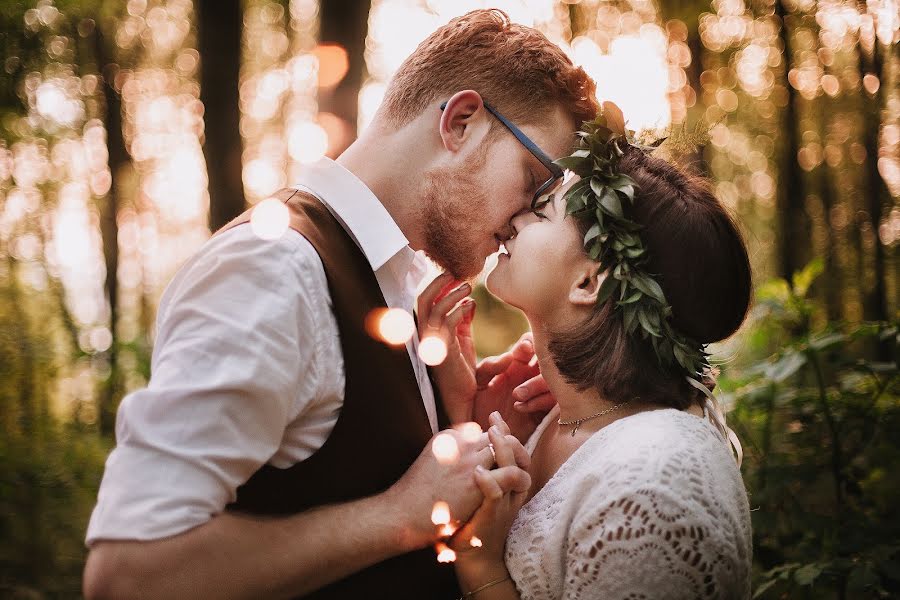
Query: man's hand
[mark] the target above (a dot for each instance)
(512, 384)
(451, 480)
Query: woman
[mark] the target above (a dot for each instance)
(634, 490)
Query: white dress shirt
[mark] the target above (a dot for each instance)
(247, 367)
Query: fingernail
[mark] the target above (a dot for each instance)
(520, 393)
(480, 469)
(528, 344)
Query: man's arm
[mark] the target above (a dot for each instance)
(242, 556)
(235, 555)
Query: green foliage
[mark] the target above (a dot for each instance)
(601, 198)
(820, 420)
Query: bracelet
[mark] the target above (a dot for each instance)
(484, 587)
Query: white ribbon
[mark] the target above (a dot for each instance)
(714, 413)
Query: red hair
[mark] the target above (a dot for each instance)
(514, 67)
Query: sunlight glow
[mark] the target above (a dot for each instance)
(445, 554)
(270, 219)
(440, 514)
(432, 350)
(445, 448)
(471, 432)
(396, 326)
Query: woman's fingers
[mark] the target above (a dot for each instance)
(502, 449)
(428, 295)
(488, 485)
(455, 316)
(511, 479)
(496, 418)
(442, 307)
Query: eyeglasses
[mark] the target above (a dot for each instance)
(556, 173)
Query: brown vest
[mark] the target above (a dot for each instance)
(381, 430)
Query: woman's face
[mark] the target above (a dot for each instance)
(545, 261)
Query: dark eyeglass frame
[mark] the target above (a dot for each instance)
(556, 173)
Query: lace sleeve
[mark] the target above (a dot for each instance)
(638, 542)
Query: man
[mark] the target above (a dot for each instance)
(279, 450)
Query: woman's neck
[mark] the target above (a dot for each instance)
(574, 403)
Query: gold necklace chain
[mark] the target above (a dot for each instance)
(577, 422)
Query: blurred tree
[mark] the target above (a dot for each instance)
(871, 65)
(119, 160)
(219, 25)
(793, 233)
(345, 22)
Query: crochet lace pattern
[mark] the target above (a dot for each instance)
(651, 506)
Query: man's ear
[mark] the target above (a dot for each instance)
(586, 287)
(461, 112)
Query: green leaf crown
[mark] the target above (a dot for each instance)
(602, 197)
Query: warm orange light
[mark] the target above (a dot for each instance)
(447, 530)
(445, 554)
(270, 219)
(432, 351)
(396, 326)
(440, 514)
(475, 542)
(333, 64)
(471, 432)
(445, 448)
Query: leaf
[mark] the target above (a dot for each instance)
(805, 277)
(647, 325)
(786, 366)
(827, 341)
(632, 298)
(607, 287)
(610, 202)
(805, 575)
(649, 286)
(597, 187)
(762, 589)
(592, 233)
(615, 119)
(580, 166)
(574, 203)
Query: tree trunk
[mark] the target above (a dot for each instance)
(219, 43)
(109, 226)
(877, 194)
(792, 229)
(345, 22)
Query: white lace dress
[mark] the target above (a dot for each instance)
(651, 506)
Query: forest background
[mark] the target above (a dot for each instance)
(129, 130)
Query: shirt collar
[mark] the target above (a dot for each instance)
(358, 210)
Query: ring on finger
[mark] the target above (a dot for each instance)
(493, 453)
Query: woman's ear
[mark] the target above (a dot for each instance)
(462, 111)
(586, 286)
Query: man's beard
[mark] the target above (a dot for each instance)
(451, 208)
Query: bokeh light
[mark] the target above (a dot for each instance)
(396, 326)
(432, 350)
(445, 448)
(440, 513)
(270, 219)
(444, 553)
